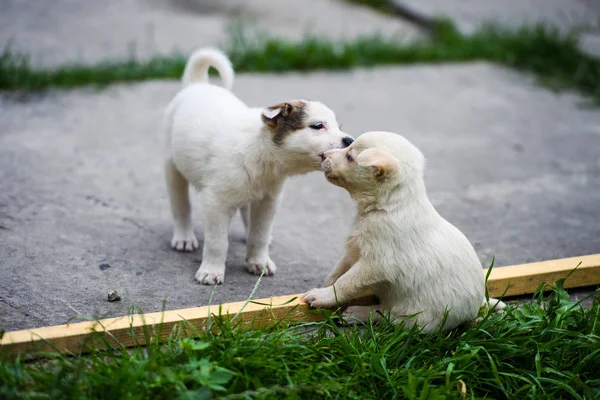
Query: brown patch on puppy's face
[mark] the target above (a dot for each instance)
(302, 131)
(284, 119)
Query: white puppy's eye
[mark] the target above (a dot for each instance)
(349, 158)
(318, 126)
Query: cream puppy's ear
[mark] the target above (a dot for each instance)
(381, 162)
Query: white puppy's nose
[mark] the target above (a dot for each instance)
(347, 141)
(327, 154)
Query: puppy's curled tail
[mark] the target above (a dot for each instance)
(196, 69)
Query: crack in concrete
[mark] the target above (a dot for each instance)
(139, 226)
(17, 309)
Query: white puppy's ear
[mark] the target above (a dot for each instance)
(381, 162)
(271, 115)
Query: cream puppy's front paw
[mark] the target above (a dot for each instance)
(184, 241)
(320, 298)
(210, 274)
(256, 267)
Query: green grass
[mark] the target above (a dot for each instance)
(548, 349)
(554, 58)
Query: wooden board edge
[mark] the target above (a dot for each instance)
(526, 278)
(137, 329)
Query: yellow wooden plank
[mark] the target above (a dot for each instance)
(525, 279)
(129, 330)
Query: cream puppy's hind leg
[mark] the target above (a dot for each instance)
(179, 197)
(259, 236)
(361, 313)
(216, 227)
(495, 305)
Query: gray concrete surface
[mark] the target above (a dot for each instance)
(469, 14)
(514, 166)
(62, 31)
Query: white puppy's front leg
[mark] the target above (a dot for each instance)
(245, 213)
(216, 228)
(350, 257)
(357, 280)
(261, 220)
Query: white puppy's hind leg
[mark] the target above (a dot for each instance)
(261, 218)
(245, 214)
(183, 230)
(214, 254)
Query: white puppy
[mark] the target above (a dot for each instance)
(399, 247)
(239, 158)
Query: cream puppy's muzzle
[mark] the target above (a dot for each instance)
(332, 163)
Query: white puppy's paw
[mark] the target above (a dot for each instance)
(184, 242)
(320, 298)
(210, 274)
(256, 268)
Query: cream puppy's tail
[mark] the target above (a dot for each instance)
(196, 69)
(494, 304)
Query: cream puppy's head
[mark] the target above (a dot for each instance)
(375, 161)
(303, 130)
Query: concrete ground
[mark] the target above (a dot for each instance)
(84, 209)
(469, 14)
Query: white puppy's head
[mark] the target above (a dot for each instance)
(376, 162)
(303, 130)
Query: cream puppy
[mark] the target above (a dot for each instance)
(239, 158)
(399, 247)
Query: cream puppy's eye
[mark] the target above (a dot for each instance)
(318, 126)
(349, 158)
